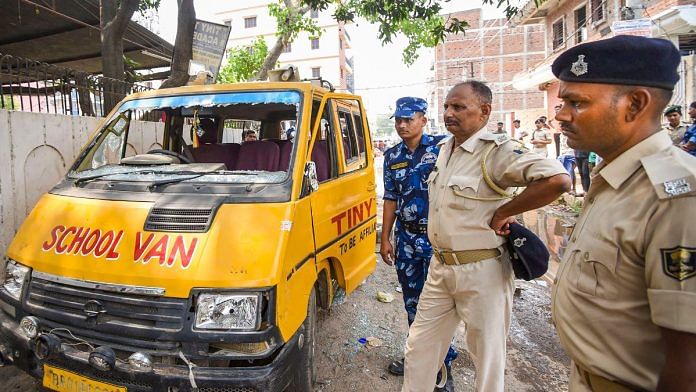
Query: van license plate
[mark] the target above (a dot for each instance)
(64, 381)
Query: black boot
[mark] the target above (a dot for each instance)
(397, 367)
(449, 384)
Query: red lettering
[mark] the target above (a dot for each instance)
(104, 243)
(368, 205)
(179, 248)
(88, 247)
(140, 247)
(357, 214)
(60, 247)
(54, 237)
(78, 239)
(337, 220)
(159, 250)
(113, 255)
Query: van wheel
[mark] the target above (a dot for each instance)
(305, 375)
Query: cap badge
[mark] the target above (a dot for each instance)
(579, 67)
(519, 242)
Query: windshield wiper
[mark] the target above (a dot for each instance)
(193, 175)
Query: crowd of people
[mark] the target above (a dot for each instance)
(624, 295)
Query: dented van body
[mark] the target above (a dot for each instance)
(175, 256)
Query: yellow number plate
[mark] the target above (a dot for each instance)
(64, 381)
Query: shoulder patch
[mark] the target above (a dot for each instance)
(671, 173)
(679, 262)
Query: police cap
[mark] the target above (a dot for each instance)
(673, 109)
(406, 107)
(624, 59)
(528, 254)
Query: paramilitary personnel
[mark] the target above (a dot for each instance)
(625, 296)
(406, 169)
(470, 277)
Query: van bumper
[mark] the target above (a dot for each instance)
(275, 376)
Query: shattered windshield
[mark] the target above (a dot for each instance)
(231, 137)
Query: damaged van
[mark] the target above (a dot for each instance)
(175, 256)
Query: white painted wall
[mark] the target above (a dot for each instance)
(36, 150)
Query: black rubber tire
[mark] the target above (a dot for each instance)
(305, 375)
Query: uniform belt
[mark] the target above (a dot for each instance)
(601, 384)
(465, 256)
(415, 228)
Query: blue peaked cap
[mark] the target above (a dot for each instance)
(406, 107)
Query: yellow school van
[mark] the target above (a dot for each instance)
(179, 254)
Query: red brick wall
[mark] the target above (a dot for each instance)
(495, 52)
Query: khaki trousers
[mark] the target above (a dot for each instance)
(480, 295)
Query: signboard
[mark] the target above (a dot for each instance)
(639, 27)
(209, 42)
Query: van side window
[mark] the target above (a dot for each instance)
(324, 151)
(353, 137)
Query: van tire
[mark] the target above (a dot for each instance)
(305, 375)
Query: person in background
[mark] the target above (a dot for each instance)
(407, 167)
(541, 138)
(567, 159)
(250, 136)
(583, 164)
(624, 301)
(688, 143)
(500, 128)
(675, 127)
(516, 132)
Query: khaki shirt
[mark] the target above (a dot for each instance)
(457, 223)
(676, 133)
(630, 265)
(541, 134)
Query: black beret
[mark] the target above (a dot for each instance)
(673, 109)
(528, 254)
(624, 59)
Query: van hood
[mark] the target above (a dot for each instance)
(105, 241)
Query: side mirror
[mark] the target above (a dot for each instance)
(311, 176)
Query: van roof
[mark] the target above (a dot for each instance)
(245, 86)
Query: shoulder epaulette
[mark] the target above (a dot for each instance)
(672, 173)
(498, 138)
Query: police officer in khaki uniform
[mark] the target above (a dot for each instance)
(624, 304)
(470, 277)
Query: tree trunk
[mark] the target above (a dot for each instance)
(183, 46)
(271, 58)
(113, 22)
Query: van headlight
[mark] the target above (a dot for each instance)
(13, 281)
(228, 311)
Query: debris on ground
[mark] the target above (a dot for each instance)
(384, 297)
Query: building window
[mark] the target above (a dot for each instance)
(314, 14)
(580, 24)
(315, 43)
(598, 11)
(250, 22)
(287, 48)
(558, 33)
(316, 72)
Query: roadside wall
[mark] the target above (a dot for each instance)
(36, 150)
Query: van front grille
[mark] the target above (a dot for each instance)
(179, 220)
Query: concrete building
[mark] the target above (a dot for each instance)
(327, 57)
(493, 52)
(570, 22)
